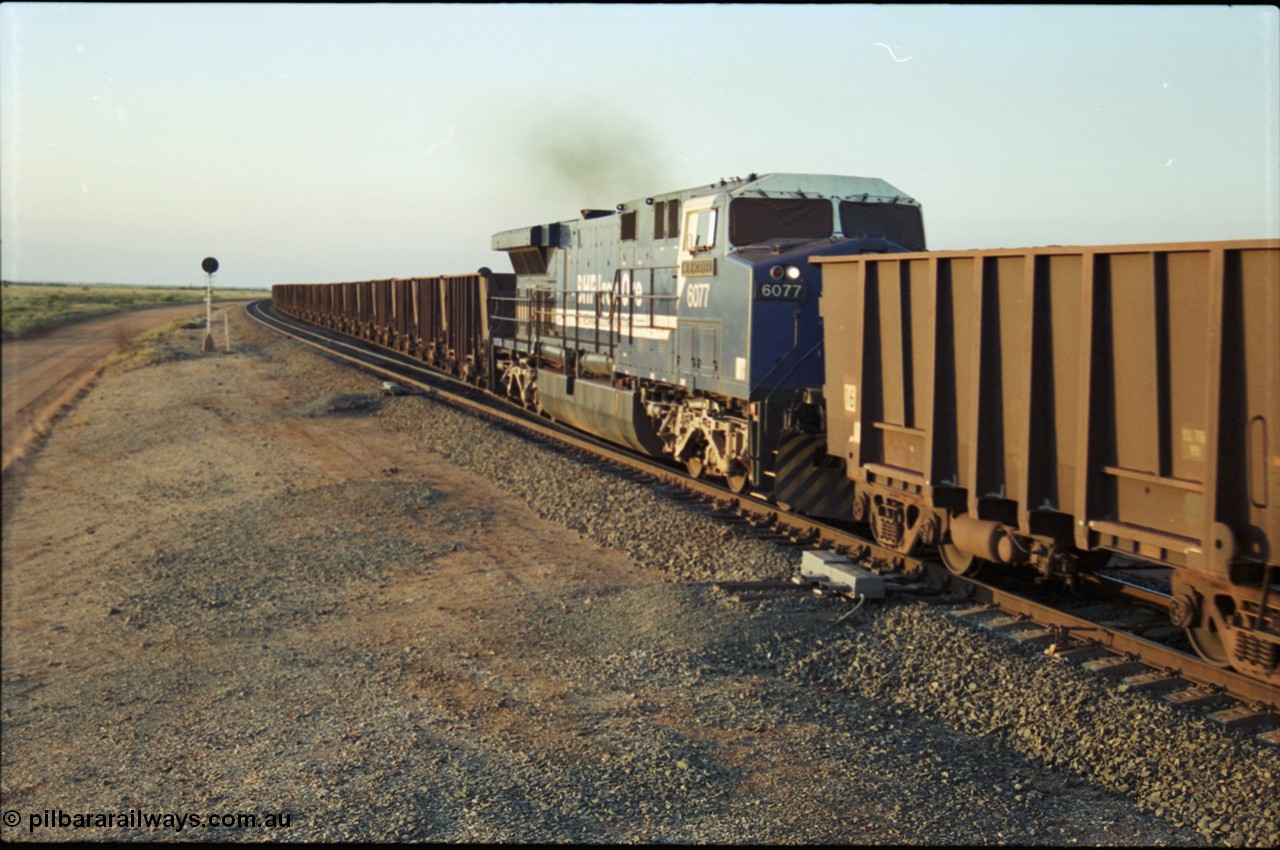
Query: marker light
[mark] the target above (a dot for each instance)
(776, 272)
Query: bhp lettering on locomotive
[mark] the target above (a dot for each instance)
(588, 285)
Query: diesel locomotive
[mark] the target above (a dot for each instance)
(686, 324)
(791, 335)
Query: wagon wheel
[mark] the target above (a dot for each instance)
(959, 563)
(1207, 641)
(1200, 619)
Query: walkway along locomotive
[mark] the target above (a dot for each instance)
(1042, 407)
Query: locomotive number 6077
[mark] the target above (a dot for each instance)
(780, 292)
(697, 295)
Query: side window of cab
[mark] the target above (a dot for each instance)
(700, 231)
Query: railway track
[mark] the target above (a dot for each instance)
(1101, 632)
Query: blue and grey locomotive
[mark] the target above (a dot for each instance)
(686, 324)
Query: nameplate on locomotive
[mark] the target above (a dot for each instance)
(698, 268)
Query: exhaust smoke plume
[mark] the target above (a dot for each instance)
(594, 160)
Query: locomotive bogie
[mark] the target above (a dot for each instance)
(709, 436)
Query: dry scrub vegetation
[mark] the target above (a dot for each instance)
(28, 308)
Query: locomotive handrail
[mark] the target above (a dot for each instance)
(607, 317)
(650, 297)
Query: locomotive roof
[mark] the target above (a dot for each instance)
(774, 185)
(797, 185)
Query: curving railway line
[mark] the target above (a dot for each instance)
(1116, 623)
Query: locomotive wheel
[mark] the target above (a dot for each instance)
(959, 563)
(694, 466)
(738, 479)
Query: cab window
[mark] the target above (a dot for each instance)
(898, 223)
(753, 220)
(700, 231)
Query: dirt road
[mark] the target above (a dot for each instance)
(42, 373)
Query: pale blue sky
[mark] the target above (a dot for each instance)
(314, 143)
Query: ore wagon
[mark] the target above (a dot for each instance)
(1050, 406)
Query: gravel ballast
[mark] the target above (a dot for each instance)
(245, 583)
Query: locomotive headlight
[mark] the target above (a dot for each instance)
(793, 272)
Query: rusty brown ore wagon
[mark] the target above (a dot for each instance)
(1051, 406)
(443, 321)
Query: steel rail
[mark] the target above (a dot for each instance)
(794, 527)
(1180, 664)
